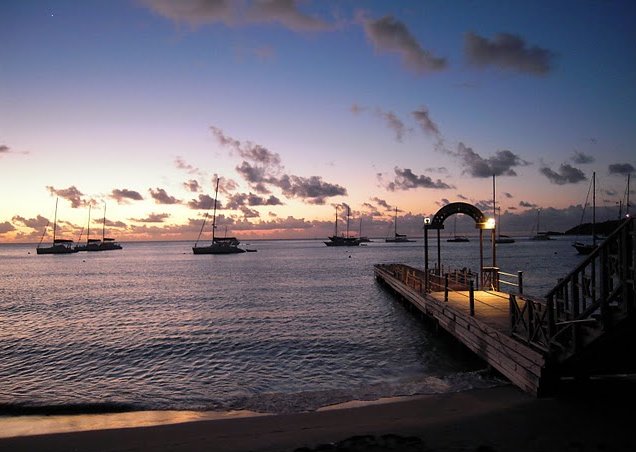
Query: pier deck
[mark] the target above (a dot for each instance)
(486, 332)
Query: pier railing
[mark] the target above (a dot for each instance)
(593, 297)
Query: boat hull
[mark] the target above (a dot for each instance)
(583, 248)
(56, 249)
(216, 249)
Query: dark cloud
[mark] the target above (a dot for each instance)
(507, 195)
(507, 51)
(567, 174)
(390, 35)
(382, 203)
(442, 202)
(249, 213)
(405, 179)
(501, 164)
(6, 227)
(161, 197)
(4, 149)
(394, 123)
(423, 118)
(152, 218)
(71, 194)
(181, 164)
(527, 204)
(240, 200)
(462, 197)
(621, 168)
(286, 13)
(235, 13)
(192, 185)
(581, 158)
(124, 195)
(38, 222)
(263, 169)
(204, 202)
(312, 190)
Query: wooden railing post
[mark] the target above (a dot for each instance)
(471, 298)
(446, 287)
(520, 282)
(512, 301)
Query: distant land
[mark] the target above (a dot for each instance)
(604, 228)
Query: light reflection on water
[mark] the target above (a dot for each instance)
(295, 326)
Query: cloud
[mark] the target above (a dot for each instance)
(312, 190)
(390, 35)
(152, 218)
(261, 168)
(405, 179)
(580, 158)
(507, 195)
(6, 227)
(243, 199)
(286, 13)
(192, 185)
(124, 195)
(502, 163)
(249, 213)
(4, 149)
(527, 204)
(423, 118)
(462, 197)
(567, 174)
(621, 168)
(394, 123)
(204, 202)
(71, 194)
(161, 197)
(181, 164)
(233, 13)
(38, 222)
(509, 52)
(382, 203)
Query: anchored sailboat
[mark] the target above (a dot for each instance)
(60, 246)
(586, 248)
(225, 245)
(397, 238)
(457, 238)
(336, 240)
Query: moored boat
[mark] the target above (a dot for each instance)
(59, 246)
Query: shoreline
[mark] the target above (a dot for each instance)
(586, 415)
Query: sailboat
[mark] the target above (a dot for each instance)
(336, 240)
(586, 248)
(91, 244)
(457, 238)
(540, 235)
(397, 238)
(60, 246)
(225, 245)
(501, 238)
(105, 244)
(363, 238)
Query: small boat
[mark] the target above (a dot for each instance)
(587, 248)
(363, 238)
(457, 238)
(397, 238)
(540, 235)
(345, 240)
(501, 238)
(225, 245)
(60, 246)
(105, 244)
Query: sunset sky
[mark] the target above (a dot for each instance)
(300, 106)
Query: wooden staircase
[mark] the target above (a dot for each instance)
(587, 323)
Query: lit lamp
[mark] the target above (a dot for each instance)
(489, 224)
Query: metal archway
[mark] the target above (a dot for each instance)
(437, 222)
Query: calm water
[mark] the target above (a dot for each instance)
(293, 327)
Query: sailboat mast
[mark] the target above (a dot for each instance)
(594, 208)
(395, 221)
(335, 234)
(104, 224)
(348, 212)
(55, 220)
(88, 230)
(627, 207)
(216, 192)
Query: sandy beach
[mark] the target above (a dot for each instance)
(587, 416)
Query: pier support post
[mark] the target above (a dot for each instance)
(446, 287)
(471, 297)
(520, 282)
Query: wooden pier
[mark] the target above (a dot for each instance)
(585, 325)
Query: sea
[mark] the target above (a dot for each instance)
(290, 328)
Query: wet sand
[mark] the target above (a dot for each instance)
(593, 415)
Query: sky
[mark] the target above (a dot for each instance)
(306, 110)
